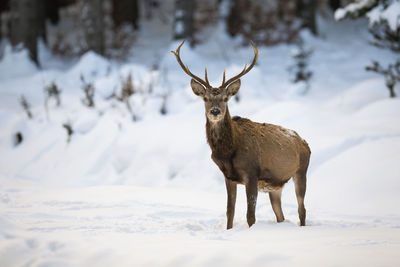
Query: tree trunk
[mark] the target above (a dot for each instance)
(41, 19)
(4, 6)
(125, 11)
(334, 4)
(52, 11)
(184, 20)
(307, 12)
(234, 20)
(27, 24)
(93, 25)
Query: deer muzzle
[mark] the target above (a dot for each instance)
(215, 111)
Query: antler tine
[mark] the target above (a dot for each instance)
(245, 69)
(205, 73)
(223, 77)
(186, 69)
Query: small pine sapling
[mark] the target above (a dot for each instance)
(299, 70)
(391, 74)
(26, 106)
(154, 78)
(52, 91)
(68, 127)
(89, 90)
(163, 109)
(383, 19)
(127, 90)
(387, 38)
(165, 94)
(127, 87)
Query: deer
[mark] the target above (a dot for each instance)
(261, 156)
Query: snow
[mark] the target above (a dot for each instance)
(341, 13)
(146, 192)
(89, 65)
(392, 15)
(19, 60)
(179, 28)
(389, 12)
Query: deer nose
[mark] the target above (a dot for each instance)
(215, 111)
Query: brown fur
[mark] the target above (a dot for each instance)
(257, 153)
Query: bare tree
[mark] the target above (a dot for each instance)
(334, 4)
(184, 20)
(51, 10)
(93, 25)
(236, 18)
(125, 11)
(271, 21)
(27, 24)
(264, 21)
(306, 11)
(4, 6)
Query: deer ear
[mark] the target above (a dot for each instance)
(197, 88)
(233, 88)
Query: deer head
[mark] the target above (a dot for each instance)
(215, 98)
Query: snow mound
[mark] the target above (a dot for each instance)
(16, 63)
(370, 166)
(90, 65)
(359, 95)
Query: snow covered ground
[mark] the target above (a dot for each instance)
(146, 193)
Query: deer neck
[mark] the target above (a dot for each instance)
(220, 136)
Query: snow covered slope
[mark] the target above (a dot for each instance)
(146, 193)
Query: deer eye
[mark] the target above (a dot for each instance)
(205, 99)
(225, 99)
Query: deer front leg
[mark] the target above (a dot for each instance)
(230, 209)
(225, 166)
(251, 193)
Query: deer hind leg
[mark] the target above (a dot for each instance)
(300, 181)
(251, 193)
(231, 189)
(275, 198)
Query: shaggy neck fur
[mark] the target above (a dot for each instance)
(220, 136)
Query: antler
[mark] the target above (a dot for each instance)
(186, 69)
(244, 71)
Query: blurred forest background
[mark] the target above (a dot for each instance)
(72, 27)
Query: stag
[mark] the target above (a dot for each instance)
(261, 156)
